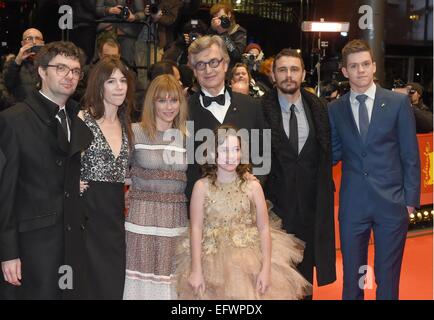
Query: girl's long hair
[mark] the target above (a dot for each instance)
(210, 169)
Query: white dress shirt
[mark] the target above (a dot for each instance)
(369, 103)
(218, 111)
(58, 118)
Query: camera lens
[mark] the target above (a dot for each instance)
(225, 22)
(153, 8)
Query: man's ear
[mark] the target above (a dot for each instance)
(344, 72)
(42, 72)
(272, 76)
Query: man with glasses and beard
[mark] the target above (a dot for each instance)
(216, 103)
(41, 226)
(300, 184)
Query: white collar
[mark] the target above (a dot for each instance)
(205, 92)
(370, 93)
(60, 107)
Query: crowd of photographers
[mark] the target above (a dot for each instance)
(153, 36)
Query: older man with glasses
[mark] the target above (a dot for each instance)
(41, 226)
(215, 103)
(19, 75)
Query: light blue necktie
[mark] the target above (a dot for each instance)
(363, 116)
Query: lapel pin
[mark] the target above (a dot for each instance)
(383, 105)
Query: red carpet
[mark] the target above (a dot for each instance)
(416, 275)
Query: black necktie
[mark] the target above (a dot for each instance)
(363, 115)
(293, 129)
(220, 99)
(63, 121)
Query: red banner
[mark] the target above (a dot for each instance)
(426, 176)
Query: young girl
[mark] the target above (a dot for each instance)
(234, 254)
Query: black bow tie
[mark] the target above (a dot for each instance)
(220, 99)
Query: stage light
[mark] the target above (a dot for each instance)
(419, 215)
(322, 26)
(344, 34)
(412, 218)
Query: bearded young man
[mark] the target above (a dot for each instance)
(300, 184)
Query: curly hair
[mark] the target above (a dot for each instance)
(209, 169)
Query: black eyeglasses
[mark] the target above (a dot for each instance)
(63, 70)
(213, 63)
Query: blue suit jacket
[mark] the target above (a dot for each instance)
(381, 174)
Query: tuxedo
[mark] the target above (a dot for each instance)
(39, 219)
(380, 177)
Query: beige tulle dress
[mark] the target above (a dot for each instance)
(231, 251)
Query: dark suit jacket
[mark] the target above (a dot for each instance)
(244, 113)
(2, 163)
(301, 186)
(40, 183)
(387, 163)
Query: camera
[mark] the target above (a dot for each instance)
(251, 61)
(225, 22)
(35, 49)
(248, 58)
(401, 87)
(125, 13)
(195, 31)
(398, 83)
(193, 36)
(154, 7)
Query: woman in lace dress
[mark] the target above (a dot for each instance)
(235, 254)
(107, 103)
(157, 211)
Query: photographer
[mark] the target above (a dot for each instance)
(177, 51)
(252, 57)
(125, 33)
(223, 24)
(422, 114)
(164, 13)
(19, 75)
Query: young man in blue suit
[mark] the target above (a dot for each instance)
(374, 135)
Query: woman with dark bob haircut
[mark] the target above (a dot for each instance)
(106, 111)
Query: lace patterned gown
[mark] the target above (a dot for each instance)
(103, 203)
(157, 216)
(231, 251)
